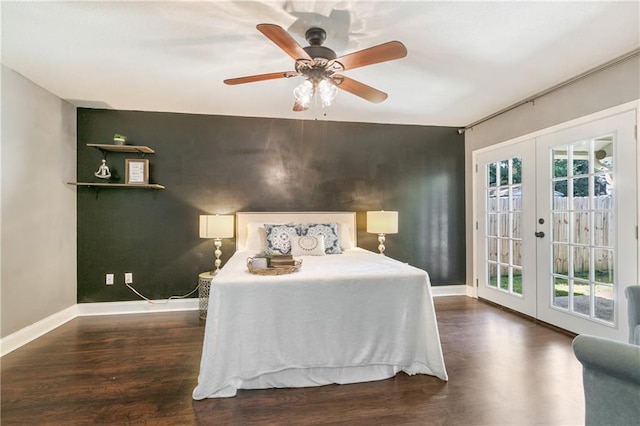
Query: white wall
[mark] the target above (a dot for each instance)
(38, 208)
(609, 88)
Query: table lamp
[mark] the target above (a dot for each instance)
(381, 223)
(216, 227)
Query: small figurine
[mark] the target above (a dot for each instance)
(103, 171)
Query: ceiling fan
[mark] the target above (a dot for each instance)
(321, 67)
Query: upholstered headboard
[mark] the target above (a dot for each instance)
(244, 218)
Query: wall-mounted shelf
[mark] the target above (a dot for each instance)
(104, 148)
(118, 185)
(140, 149)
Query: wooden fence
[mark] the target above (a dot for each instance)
(505, 226)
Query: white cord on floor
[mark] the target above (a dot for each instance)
(164, 302)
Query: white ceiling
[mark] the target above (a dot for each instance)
(465, 60)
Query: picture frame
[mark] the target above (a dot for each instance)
(136, 172)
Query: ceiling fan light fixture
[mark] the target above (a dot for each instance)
(303, 93)
(324, 89)
(327, 92)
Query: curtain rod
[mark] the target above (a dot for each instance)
(532, 98)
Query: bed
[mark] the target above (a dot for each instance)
(352, 317)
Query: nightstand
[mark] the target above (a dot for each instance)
(204, 286)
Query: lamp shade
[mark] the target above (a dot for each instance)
(216, 226)
(382, 222)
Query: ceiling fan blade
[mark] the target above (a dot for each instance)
(284, 41)
(359, 89)
(298, 107)
(373, 55)
(260, 77)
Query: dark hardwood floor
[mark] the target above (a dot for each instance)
(141, 369)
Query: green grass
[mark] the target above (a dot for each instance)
(601, 276)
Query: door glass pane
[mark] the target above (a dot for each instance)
(561, 259)
(581, 262)
(492, 225)
(603, 153)
(503, 199)
(517, 253)
(580, 190)
(491, 175)
(603, 185)
(516, 197)
(581, 227)
(516, 169)
(561, 227)
(603, 259)
(517, 280)
(560, 292)
(560, 192)
(503, 225)
(516, 225)
(583, 222)
(492, 249)
(503, 254)
(504, 277)
(503, 215)
(581, 152)
(604, 302)
(560, 161)
(504, 172)
(492, 279)
(603, 227)
(492, 200)
(581, 297)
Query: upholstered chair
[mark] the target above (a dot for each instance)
(611, 379)
(633, 307)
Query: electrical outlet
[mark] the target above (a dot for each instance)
(109, 279)
(128, 277)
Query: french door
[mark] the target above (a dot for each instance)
(557, 231)
(506, 194)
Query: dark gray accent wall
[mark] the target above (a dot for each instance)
(219, 164)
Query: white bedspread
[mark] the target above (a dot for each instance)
(351, 317)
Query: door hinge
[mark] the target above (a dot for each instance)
(476, 225)
(477, 282)
(635, 131)
(476, 167)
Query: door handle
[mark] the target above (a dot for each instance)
(540, 234)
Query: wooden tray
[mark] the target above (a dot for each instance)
(276, 270)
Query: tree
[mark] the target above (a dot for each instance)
(580, 185)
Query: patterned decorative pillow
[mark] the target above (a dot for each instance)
(328, 230)
(279, 237)
(307, 245)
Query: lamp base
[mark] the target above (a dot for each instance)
(217, 243)
(381, 245)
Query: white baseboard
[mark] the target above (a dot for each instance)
(33, 331)
(42, 327)
(137, 307)
(450, 290)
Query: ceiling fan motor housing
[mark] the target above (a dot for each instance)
(320, 52)
(315, 37)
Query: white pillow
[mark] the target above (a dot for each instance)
(344, 231)
(307, 245)
(256, 237)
